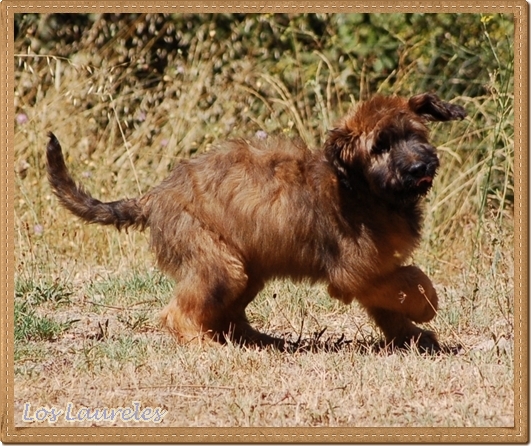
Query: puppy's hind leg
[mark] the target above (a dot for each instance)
(241, 331)
(212, 293)
(213, 311)
(185, 316)
(198, 309)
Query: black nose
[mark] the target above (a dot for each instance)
(422, 173)
(426, 164)
(418, 170)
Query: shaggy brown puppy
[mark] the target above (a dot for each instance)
(349, 215)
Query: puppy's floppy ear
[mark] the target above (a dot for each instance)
(345, 149)
(431, 108)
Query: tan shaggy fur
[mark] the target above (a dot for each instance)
(349, 215)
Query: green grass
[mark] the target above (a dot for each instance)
(30, 326)
(30, 297)
(87, 298)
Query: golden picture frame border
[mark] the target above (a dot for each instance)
(517, 434)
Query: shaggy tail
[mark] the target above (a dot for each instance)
(121, 213)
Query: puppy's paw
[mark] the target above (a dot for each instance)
(425, 342)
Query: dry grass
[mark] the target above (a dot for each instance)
(98, 286)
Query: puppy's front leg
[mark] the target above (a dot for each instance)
(399, 331)
(394, 300)
(407, 290)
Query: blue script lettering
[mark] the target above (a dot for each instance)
(54, 414)
(146, 414)
(41, 414)
(159, 414)
(127, 414)
(102, 414)
(26, 417)
(68, 416)
(82, 414)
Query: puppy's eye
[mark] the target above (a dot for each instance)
(381, 146)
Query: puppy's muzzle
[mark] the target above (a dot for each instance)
(421, 173)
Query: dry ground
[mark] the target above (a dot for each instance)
(115, 353)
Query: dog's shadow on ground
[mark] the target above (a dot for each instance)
(332, 344)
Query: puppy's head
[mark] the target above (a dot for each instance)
(384, 145)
